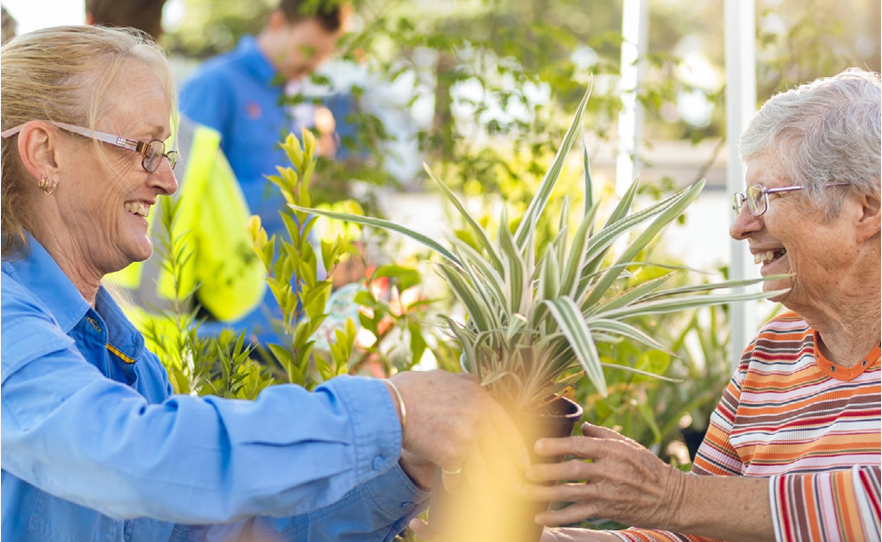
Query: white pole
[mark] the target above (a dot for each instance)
(635, 23)
(740, 107)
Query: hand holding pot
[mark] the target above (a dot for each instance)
(623, 481)
(447, 415)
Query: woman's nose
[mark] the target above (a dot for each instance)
(164, 179)
(745, 224)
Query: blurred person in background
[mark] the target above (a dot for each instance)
(9, 26)
(242, 94)
(793, 448)
(227, 275)
(94, 444)
(145, 15)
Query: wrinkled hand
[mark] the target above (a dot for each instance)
(448, 414)
(623, 481)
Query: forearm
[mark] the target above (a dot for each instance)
(191, 460)
(732, 508)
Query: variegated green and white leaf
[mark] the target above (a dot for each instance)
(381, 224)
(573, 326)
(683, 303)
(638, 293)
(471, 300)
(479, 232)
(537, 204)
(713, 286)
(517, 276)
(662, 220)
(625, 330)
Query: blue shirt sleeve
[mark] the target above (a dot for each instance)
(373, 512)
(72, 432)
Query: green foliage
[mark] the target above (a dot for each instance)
(292, 266)
(396, 320)
(534, 317)
(498, 75)
(196, 365)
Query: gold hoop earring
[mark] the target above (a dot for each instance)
(46, 185)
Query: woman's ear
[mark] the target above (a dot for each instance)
(868, 224)
(37, 148)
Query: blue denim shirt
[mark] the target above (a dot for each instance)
(96, 448)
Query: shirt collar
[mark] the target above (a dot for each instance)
(870, 361)
(41, 275)
(256, 61)
(121, 333)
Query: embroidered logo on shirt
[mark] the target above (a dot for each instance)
(252, 109)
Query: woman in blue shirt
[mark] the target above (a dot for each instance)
(94, 445)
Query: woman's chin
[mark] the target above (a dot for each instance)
(140, 251)
(775, 285)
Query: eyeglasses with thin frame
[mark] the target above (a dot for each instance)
(757, 197)
(151, 151)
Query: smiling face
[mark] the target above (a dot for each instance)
(794, 238)
(299, 48)
(104, 194)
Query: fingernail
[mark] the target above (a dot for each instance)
(539, 446)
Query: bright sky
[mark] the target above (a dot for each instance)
(36, 14)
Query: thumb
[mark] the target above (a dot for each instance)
(596, 431)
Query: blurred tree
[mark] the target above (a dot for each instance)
(491, 78)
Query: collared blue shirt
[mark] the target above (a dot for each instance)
(96, 448)
(240, 95)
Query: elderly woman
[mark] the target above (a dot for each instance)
(94, 446)
(793, 449)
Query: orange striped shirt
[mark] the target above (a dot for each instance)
(811, 426)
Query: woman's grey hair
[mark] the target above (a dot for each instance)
(823, 132)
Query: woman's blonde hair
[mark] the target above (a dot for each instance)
(60, 74)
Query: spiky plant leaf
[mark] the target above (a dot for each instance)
(537, 204)
(479, 232)
(533, 318)
(574, 327)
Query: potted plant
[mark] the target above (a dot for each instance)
(533, 316)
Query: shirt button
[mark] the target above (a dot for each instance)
(378, 462)
(94, 323)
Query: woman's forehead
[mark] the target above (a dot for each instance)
(765, 171)
(137, 100)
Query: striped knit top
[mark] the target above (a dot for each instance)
(811, 426)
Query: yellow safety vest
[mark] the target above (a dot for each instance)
(213, 214)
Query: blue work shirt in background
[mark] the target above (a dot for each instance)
(96, 448)
(237, 94)
(240, 95)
